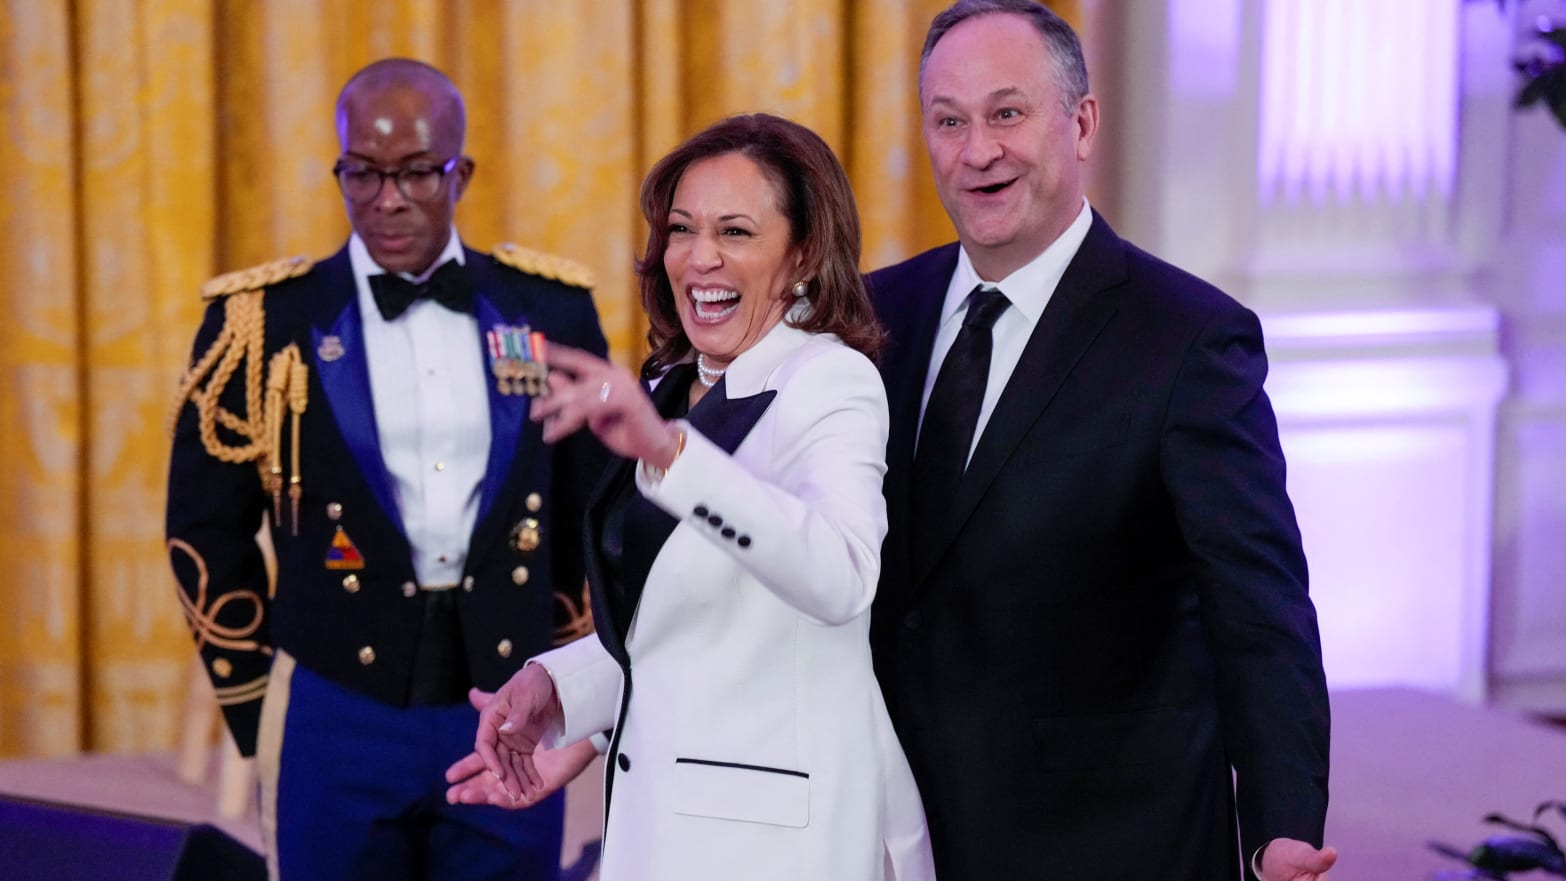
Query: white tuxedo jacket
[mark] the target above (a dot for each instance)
(750, 740)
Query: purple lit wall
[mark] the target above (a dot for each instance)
(1354, 171)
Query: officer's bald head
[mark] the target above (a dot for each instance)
(395, 116)
(404, 79)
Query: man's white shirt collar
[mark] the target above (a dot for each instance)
(1030, 287)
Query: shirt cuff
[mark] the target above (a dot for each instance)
(1256, 860)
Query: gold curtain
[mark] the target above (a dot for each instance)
(148, 144)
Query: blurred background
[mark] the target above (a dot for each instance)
(1354, 170)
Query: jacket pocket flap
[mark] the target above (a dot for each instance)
(746, 793)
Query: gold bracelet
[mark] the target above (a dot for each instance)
(657, 473)
(679, 447)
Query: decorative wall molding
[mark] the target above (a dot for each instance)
(1387, 421)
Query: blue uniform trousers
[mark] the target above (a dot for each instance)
(360, 794)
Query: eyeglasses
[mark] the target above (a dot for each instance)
(419, 182)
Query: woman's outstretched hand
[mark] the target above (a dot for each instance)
(585, 390)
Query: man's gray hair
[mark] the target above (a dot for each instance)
(1067, 67)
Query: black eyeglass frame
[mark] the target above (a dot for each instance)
(398, 176)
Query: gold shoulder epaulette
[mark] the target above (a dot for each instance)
(256, 277)
(545, 265)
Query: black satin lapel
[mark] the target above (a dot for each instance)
(1076, 316)
(602, 595)
(726, 421)
(613, 604)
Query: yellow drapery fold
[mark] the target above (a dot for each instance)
(149, 144)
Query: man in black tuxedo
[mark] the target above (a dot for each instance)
(373, 408)
(1093, 629)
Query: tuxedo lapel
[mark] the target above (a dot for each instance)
(1070, 325)
(606, 597)
(344, 373)
(726, 421)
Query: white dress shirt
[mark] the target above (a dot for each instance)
(431, 403)
(1029, 289)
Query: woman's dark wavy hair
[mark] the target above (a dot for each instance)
(813, 193)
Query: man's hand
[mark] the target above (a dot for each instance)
(511, 723)
(472, 784)
(1286, 859)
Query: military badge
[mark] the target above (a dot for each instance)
(516, 359)
(525, 535)
(342, 554)
(331, 348)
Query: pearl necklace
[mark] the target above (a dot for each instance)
(705, 374)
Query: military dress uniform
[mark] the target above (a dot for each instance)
(362, 664)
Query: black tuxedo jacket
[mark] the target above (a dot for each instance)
(358, 625)
(1116, 611)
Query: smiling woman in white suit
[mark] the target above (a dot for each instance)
(734, 548)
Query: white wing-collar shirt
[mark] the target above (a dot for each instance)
(431, 403)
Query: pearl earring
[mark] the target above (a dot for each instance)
(801, 288)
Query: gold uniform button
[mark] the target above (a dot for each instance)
(334, 511)
(467, 583)
(409, 588)
(519, 575)
(222, 668)
(504, 649)
(351, 583)
(534, 502)
(367, 656)
(524, 536)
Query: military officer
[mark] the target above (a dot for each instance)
(372, 407)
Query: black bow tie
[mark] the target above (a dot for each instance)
(448, 286)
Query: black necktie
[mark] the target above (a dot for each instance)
(951, 416)
(448, 286)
